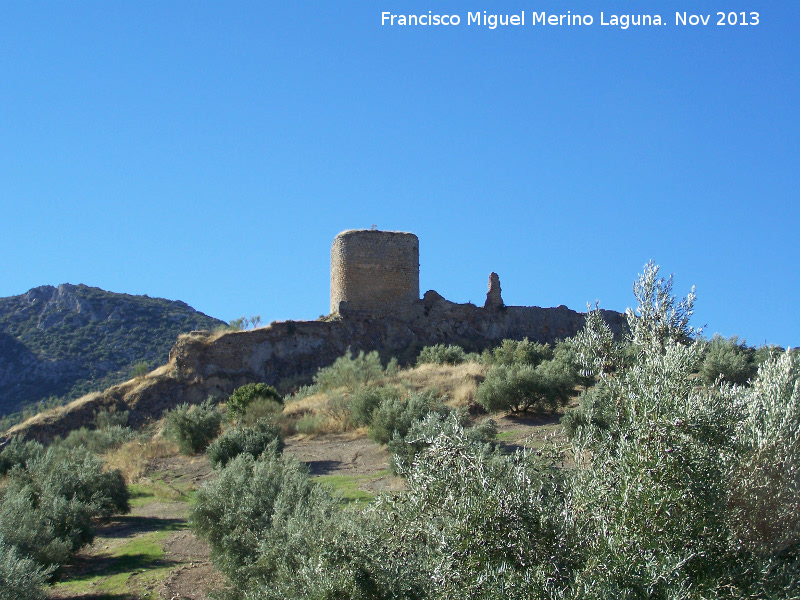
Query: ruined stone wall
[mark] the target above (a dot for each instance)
(374, 272)
(205, 364)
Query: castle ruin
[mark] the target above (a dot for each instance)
(374, 272)
(375, 305)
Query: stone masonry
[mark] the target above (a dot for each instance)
(374, 273)
(493, 298)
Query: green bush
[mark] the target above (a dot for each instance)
(310, 424)
(17, 453)
(543, 388)
(442, 354)
(97, 440)
(765, 496)
(110, 417)
(242, 397)
(685, 490)
(252, 512)
(193, 426)
(261, 408)
(351, 372)
(264, 436)
(140, 369)
(397, 414)
(47, 508)
(728, 360)
(364, 401)
(518, 353)
(476, 524)
(423, 431)
(595, 414)
(20, 578)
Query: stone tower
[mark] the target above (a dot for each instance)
(374, 272)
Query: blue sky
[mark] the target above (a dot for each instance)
(210, 152)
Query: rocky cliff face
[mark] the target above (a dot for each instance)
(71, 339)
(203, 364)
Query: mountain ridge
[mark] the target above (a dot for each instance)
(68, 340)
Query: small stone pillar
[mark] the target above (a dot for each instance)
(493, 298)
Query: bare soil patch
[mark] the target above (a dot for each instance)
(339, 454)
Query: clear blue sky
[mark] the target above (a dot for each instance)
(210, 152)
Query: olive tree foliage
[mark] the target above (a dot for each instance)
(765, 498)
(478, 524)
(20, 578)
(442, 354)
(48, 506)
(353, 371)
(682, 490)
(193, 426)
(277, 535)
(525, 388)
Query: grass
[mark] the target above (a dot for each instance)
(458, 383)
(507, 436)
(133, 457)
(349, 486)
(133, 569)
(321, 413)
(143, 494)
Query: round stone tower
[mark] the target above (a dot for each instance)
(374, 272)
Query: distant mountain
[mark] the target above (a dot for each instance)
(69, 340)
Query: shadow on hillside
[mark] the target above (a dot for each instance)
(534, 420)
(323, 467)
(124, 526)
(85, 568)
(102, 596)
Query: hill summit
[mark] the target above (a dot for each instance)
(72, 339)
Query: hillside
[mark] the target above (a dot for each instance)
(69, 340)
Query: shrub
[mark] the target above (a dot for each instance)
(261, 408)
(48, 507)
(310, 424)
(765, 496)
(78, 473)
(17, 453)
(242, 397)
(729, 360)
(405, 448)
(442, 354)
(595, 415)
(476, 524)
(20, 578)
(517, 353)
(193, 426)
(396, 414)
(140, 369)
(545, 387)
(110, 417)
(351, 372)
(97, 440)
(249, 515)
(685, 490)
(364, 401)
(263, 437)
